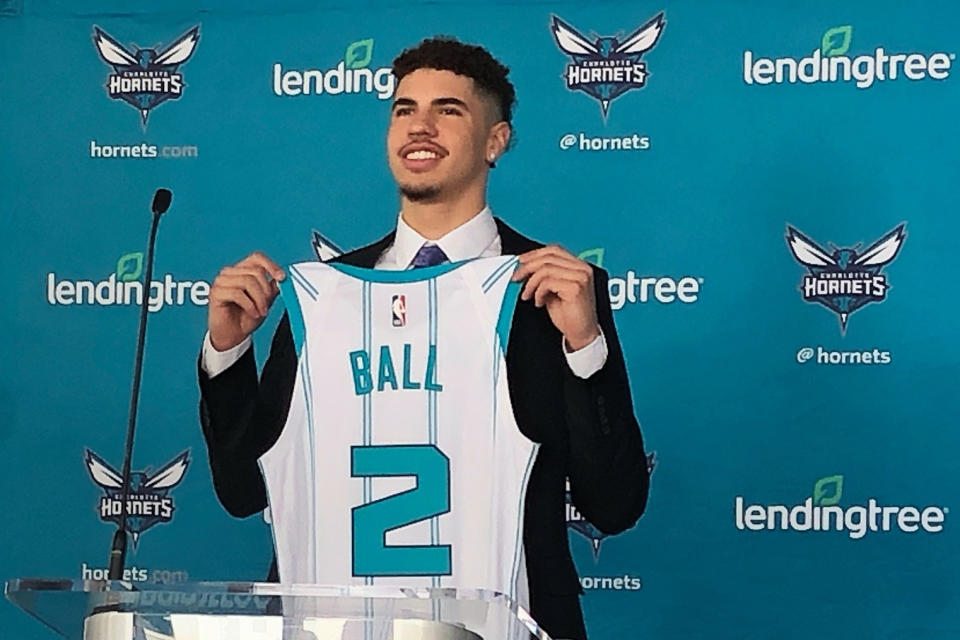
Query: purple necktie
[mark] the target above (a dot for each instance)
(429, 255)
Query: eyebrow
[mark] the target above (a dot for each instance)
(409, 102)
(404, 102)
(457, 102)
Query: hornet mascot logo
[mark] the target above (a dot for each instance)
(325, 248)
(144, 78)
(845, 279)
(607, 67)
(147, 499)
(576, 521)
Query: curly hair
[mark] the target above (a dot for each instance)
(446, 53)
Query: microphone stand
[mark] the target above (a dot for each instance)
(118, 549)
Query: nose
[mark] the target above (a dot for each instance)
(423, 125)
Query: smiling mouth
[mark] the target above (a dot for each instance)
(421, 158)
(421, 154)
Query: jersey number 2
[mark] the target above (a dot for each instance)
(372, 556)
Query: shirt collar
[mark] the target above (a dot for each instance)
(469, 240)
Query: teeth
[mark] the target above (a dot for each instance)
(423, 154)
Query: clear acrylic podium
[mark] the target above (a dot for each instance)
(100, 610)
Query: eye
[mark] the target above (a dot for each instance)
(402, 111)
(450, 111)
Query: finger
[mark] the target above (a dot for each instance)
(229, 296)
(532, 283)
(262, 260)
(573, 264)
(552, 255)
(536, 253)
(550, 249)
(250, 286)
(264, 280)
(563, 289)
(552, 271)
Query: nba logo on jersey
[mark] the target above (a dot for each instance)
(399, 309)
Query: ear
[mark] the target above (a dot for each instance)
(497, 141)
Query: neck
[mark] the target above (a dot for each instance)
(434, 219)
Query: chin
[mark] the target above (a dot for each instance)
(420, 192)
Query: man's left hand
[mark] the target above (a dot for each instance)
(563, 283)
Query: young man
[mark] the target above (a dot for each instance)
(450, 123)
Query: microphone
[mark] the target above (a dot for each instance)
(118, 549)
(161, 201)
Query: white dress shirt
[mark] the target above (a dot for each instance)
(476, 238)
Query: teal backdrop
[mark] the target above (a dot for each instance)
(752, 392)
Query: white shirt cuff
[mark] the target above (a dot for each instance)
(586, 361)
(215, 362)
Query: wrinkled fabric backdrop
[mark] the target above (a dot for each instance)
(782, 390)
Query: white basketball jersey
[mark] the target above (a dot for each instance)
(400, 462)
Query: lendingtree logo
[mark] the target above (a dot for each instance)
(822, 512)
(828, 491)
(124, 287)
(631, 288)
(352, 74)
(829, 62)
(130, 266)
(358, 54)
(836, 41)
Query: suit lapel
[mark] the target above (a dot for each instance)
(513, 243)
(367, 256)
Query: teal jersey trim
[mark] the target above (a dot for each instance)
(408, 275)
(290, 300)
(273, 532)
(505, 320)
(521, 508)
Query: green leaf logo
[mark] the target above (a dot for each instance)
(130, 266)
(358, 54)
(836, 41)
(823, 485)
(592, 255)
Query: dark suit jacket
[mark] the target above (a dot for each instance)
(587, 430)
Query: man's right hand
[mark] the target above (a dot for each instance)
(240, 299)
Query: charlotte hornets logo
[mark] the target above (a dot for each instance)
(148, 500)
(576, 521)
(145, 78)
(845, 279)
(325, 248)
(606, 67)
